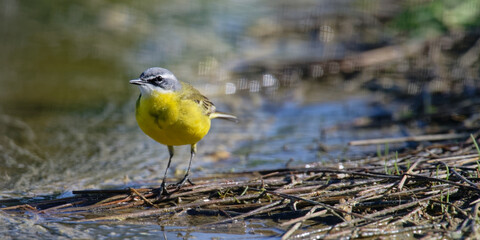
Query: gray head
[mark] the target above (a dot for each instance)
(157, 79)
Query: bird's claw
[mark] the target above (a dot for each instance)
(161, 191)
(183, 181)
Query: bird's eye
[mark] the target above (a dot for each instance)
(156, 80)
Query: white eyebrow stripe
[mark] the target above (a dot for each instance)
(150, 78)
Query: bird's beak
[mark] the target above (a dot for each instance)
(136, 81)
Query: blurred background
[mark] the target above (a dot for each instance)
(304, 78)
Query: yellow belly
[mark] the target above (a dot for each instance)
(171, 121)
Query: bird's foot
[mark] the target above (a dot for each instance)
(161, 191)
(183, 181)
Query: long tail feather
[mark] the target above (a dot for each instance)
(225, 116)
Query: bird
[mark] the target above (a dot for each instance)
(173, 113)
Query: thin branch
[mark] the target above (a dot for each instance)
(433, 137)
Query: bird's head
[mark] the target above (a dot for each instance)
(157, 80)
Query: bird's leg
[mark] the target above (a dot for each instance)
(193, 150)
(162, 189)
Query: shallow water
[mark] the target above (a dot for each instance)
(67, 110)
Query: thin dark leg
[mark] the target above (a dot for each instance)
(163, 189)
(193, 150)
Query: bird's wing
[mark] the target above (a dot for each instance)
(190, 93)
(207, 106)
(194, 95)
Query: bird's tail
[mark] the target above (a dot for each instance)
(225, 116)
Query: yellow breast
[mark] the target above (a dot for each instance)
(170, 120)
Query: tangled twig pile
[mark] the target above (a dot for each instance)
(431, 191)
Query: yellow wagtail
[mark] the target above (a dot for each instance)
(173, 113)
